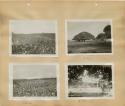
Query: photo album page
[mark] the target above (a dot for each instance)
(62, 53)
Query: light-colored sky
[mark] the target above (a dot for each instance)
(34, 71)
(33, 26)
(93, 27)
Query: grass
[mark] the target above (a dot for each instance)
(89, 47)
(71, 94)
(35, 87)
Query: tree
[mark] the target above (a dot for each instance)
(83, 36)
(107, 31)
(101, 36)
(74, 71)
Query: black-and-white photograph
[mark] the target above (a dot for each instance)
(34, 81)
(88, 36)
(89, 81)
(33, 37)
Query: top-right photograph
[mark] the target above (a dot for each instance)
(88, 37)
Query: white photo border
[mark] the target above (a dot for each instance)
(10, 95)
(89, 20)
(89, 98)
(34, 55)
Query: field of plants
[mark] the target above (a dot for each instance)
(33, 44)
(35, 87)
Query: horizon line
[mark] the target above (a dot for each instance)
(32, 78)
(33, 32)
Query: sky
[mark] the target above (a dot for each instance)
(32, 26)
(93, 27)
(34, 71)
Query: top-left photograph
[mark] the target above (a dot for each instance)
(33, 37)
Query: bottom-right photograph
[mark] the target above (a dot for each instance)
(89, 81)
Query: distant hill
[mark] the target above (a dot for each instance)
(21, 38)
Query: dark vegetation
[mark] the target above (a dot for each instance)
(42, 43)
(83, 36)
(74, 71)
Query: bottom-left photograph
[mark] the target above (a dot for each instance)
(33, 81)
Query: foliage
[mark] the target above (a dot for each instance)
(83, 36)
(74, 71)
(106, 33)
